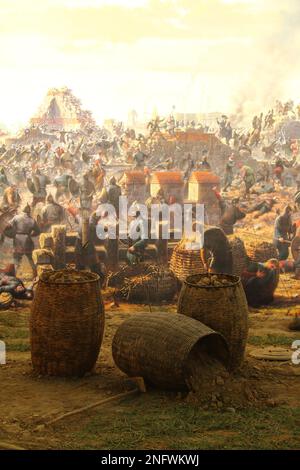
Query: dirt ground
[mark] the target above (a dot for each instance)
(260, 389)
(256, 408)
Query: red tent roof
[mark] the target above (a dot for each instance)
(167, 177)
(205, 177)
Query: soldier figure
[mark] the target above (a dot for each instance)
(22, 228)
(113, 194)
(53, 213)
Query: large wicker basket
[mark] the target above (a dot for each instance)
(185, 262)
(66, 324)
(260, 251)
(159, 347)
(239, 255)
(223, 309)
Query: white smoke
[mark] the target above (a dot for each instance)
(277, 63)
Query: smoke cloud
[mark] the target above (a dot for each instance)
(276, 65)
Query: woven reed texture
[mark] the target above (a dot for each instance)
(260, 252)
(66, 326)
(117, 279)
(239, 255)
(184, 262)
(158, 347)
(224, 309)
(157, 284)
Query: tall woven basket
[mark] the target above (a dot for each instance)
(185, 262)
(160, 347)
(66, 323)
(239, 255)
(224, 309)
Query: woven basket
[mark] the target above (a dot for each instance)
(224, 309)
(66, 324)
(159, 346)
(260, 252)
(117, 279)
(239, 255)
(185, 262)
(157, 284)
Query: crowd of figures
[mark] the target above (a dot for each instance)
(65, 174)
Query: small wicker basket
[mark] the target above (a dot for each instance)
(185, 262)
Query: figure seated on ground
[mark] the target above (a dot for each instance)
(11, 284)
(289, 265)
(260, 281)
(262, 207)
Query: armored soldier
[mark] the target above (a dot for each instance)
(53, 213)
(86, 193)
(22, 228)
(38, 187)
(113, 194)
(11, 197)
(85, 253)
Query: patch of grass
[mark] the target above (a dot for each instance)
(160, 423)
(13, 318)
(19, 346)
(17, 333)
(272, 340)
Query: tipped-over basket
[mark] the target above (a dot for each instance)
(67, 323)
(163, 348)
(221, 307)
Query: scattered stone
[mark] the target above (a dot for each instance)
(40, 428)
(220, 380)
(230, 409)
(271, 403)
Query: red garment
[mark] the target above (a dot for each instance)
(217, 194)
(74, 211)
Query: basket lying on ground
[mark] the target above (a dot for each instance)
(67, 323)
(260, 251)
(165, 349)
(239, 255)
(155, 285)
(117, 279)
(185, 262)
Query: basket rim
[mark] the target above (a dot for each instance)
(72, 283)
(235, 280)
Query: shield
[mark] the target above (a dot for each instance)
(85, 157)
(5, 217)
(73, 187)
(30, 185)
(36, 183)
(66, 157)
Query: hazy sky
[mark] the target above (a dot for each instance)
(197, 55)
